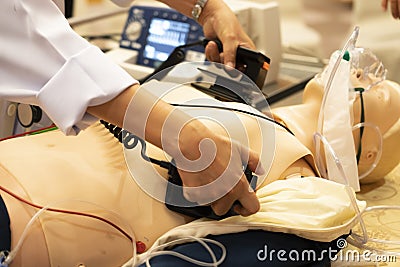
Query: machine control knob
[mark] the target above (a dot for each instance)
(28, 114)
(133, 30)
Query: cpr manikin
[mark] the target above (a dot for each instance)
(88, 173)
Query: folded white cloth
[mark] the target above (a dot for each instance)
(310, 207)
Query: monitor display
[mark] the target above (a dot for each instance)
(163, 37)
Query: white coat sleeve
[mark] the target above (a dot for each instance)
(44, 62)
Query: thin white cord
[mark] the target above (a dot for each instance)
(10, 257)
(203, 241)
(360, 245)
(376, 240)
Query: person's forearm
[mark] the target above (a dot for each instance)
(114, 111)
(149, 119)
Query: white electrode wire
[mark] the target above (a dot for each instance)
(10, 257)
(351, 41)
(376, 240)
(380, 145)
(203, 241)
(357, 244)
(349, 190)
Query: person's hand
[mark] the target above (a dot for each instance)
(210, 166)
(220, 22)
(394, 7)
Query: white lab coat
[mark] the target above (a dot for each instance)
(44, 62)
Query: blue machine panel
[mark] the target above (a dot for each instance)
(155, 32)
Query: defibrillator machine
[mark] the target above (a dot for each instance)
(153, 32)
(150, 35)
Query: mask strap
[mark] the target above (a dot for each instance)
(362, 120)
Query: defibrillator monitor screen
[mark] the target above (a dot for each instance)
(163, 36)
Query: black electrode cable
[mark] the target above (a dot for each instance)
(130, 140)
(235, 110)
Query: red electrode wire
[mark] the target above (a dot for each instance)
(49, 128)
(140, 246)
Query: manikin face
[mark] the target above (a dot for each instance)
(380, 104)
(381, 101)
(380, 96)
